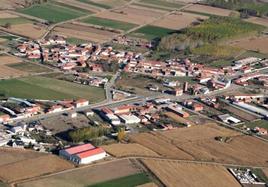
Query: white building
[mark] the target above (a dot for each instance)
(83, 154)
(227, 118)
(130, 119)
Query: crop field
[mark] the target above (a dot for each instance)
(178, 20)
(77, 5)
(109, 23)
(13, 21)
(208, 10)
(83, 32)
(37, 164)
(130, 181)
(132, 15)
(174, 173)
(252, 43)
(6, 71)
(179, 119)
(86, 176)
(151, 32)
(52, 13)
(162, 3)
(29, 67)
(123, 150)
(49, 88)
(7, 15)
(257, 20)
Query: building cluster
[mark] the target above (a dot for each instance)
(123, 40)
(57, 52)
(14, 109)
(84, 78)
(246, 176)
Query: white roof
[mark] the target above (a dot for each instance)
(252, 108)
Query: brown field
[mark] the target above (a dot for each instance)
(123, 150)
(178, 20)
(17, 164)
(257, 20)
(28, 29)
(150, 184)
(244, 150)
(252, 43)
(160, 145)
(179, 119)
(209, 10)
(240, 113)
(83, 32)
(6, 71)
(173, 174)
(81, 5)
(4, 15)
(132, 15)
(85, 176)
(112, 3)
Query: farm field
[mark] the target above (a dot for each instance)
(162, 3)
(244, 115)
(7, 15)
(52, 13)
(37, 164)
(96, 4)
(252, 43)
(257, 20)
(42, 88)
(179, 119)
(87, 175)
(151, 32)
(29, 67)
(80, 6)
(178, 20)
(173, 174)
(6, 71)
(208, 10)
(83, 32)
(123, 150)
(150, 6)
(130, 181)
(109, 23)
(132, 15)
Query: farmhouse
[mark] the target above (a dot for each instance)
(83, 154)
(81, 103)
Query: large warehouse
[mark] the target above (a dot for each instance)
(83, 154)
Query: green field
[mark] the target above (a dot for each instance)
(29, 67)
(259, 123)
(96, 4)
(129, 181)
(151, 32)
(49, 88)
(14, 21)
(162, 3)
(76, 41)
(8, 37)
(109, 23)
(52, 13)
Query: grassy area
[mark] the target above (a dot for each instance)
(13, 21)
(109, 23)
(29, 67)
(218, 51)
(76, 41)
(259, 123)
(73, 7)
(251, 54)
(129, 181)
(49, 88)
(151, 32)
(162, 3)
(52, 13)
(105, 6)
(220, 63)
(8, 37)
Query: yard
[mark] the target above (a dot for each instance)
(48, 88)
(52, 13)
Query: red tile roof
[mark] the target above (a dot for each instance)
(79, 148)
(91, 152)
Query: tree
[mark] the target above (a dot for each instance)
(121, 134)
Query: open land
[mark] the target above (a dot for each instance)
(131, 15)
(6, 71)
(244, 115)
(108, 3)
(173, 174)
(43, 89)
(28, 164)
(258, 20)
(178, 20)
(74, 4)
(6, 15)
(83, 32)
(80, 177)
(29, 67)
(123, 150)
(52, 13)
(162, 3)
(208, 10)
(252, 43)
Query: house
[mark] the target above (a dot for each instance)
(178, 111)
(261, 131)
(83, 154)
(130, 119)
(81, 103)
(89, 112)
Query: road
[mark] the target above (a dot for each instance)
(109, 85)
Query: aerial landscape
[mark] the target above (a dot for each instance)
(133, 93)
